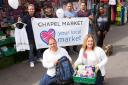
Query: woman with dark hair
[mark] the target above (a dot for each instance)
(102, 25)
(48, 10)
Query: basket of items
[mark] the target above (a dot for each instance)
(85, 75)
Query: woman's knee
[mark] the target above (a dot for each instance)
(43, 80)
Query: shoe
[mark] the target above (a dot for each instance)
(31, 64)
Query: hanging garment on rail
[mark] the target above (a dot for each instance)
(21, 37)
(112, 2)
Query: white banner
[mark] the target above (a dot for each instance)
(67, 31)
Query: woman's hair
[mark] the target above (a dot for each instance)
(85, 42)
(52, 38)
(83, 2)
(69, 3)
(31, 5)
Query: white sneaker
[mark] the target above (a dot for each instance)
(31, 64)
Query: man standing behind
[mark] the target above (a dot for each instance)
(69, 13)
(84, 12)
(33, 53)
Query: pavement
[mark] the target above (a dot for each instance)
(117, 71)
(117, 66)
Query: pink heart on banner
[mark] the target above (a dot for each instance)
(46, 35)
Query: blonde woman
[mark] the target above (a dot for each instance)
(90, 54)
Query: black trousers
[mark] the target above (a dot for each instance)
(99, 78)
(100, 38)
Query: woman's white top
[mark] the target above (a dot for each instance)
(21, 39)
(94, 57)
(49, 58)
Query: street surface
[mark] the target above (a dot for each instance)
(117, 66)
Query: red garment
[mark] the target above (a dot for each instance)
(104, 1)
(83, 14)
(55, 1)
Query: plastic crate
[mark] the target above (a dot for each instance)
(1, 33)
(82, 80)
(9, 52)
(4, 42)
(1, 54)
(7, 41)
